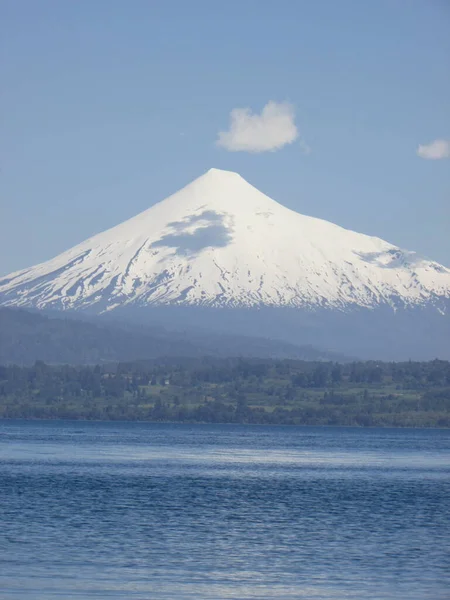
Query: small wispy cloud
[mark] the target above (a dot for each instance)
(434, 150)
(266, 132)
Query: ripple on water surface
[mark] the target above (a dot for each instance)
(108, 510)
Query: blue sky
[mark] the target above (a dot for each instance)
(109, 106)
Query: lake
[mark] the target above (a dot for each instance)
(211, 512)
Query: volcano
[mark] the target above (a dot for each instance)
(220, 245)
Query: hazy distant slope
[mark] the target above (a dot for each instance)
(26, 337)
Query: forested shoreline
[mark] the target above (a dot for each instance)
(289, 392)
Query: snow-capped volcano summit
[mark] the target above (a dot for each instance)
(219, 242)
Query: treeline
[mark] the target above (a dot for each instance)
(233, 391)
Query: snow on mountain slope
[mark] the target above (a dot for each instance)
(221, 242)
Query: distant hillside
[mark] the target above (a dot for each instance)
(27, 336)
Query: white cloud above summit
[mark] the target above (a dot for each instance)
(435, 150)
(268, 131)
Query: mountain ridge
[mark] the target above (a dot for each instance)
(221, 256)
(27, 336)
(221, 242)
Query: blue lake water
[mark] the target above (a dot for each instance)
(159, 511)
